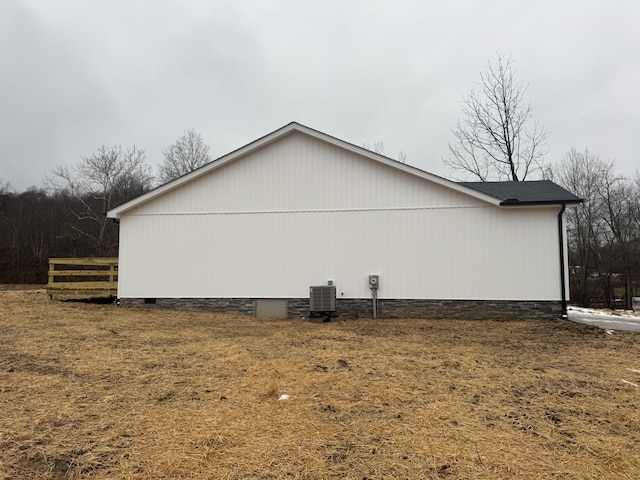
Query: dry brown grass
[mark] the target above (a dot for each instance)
(98, 391)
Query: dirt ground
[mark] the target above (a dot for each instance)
(99, 391)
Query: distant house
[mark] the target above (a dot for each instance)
(252, 231)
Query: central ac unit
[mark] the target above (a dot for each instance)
(322, 301)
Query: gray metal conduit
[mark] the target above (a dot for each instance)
(374, 297)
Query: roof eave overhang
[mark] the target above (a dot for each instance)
(542, 203)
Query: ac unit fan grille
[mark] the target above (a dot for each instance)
(322, 299)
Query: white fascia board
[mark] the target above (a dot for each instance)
(273, 136)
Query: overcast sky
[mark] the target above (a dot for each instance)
(77, 74)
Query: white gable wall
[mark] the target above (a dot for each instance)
(299, 172)
(300, 211)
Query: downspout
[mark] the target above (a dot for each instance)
(562, 272)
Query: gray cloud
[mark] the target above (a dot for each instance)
(77, 74)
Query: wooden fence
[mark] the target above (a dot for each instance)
(83, 276)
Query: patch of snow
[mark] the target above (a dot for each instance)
(608, 320)
(605, 313)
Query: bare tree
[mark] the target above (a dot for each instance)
(636, 205)
(618, 198)
(378, 147)
(188, 153)
(582, 173)
(603, 231)
(492, 141)
(5, 187)
(101, 181)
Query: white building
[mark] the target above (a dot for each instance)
(254, 229)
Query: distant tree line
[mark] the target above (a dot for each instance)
(603, 231)
(67, 216)
(36, 225)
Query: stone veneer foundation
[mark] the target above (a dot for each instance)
(387, 308)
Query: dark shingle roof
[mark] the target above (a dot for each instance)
(539, 192)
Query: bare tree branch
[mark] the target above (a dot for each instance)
(101, 181)
(5, 187)
(188, 153)
(603, 231)
(378, 147)
(492, 140)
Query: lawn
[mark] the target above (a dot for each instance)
(99, 391)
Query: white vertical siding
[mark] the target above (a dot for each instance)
(464, 253)
(299, 172)
(300, 211)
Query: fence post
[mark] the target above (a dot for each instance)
(111, 271)
(52, 267)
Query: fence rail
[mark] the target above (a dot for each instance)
(83, 276)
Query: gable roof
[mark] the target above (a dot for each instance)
(540, 192)
(278, 134)
(496, 193)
